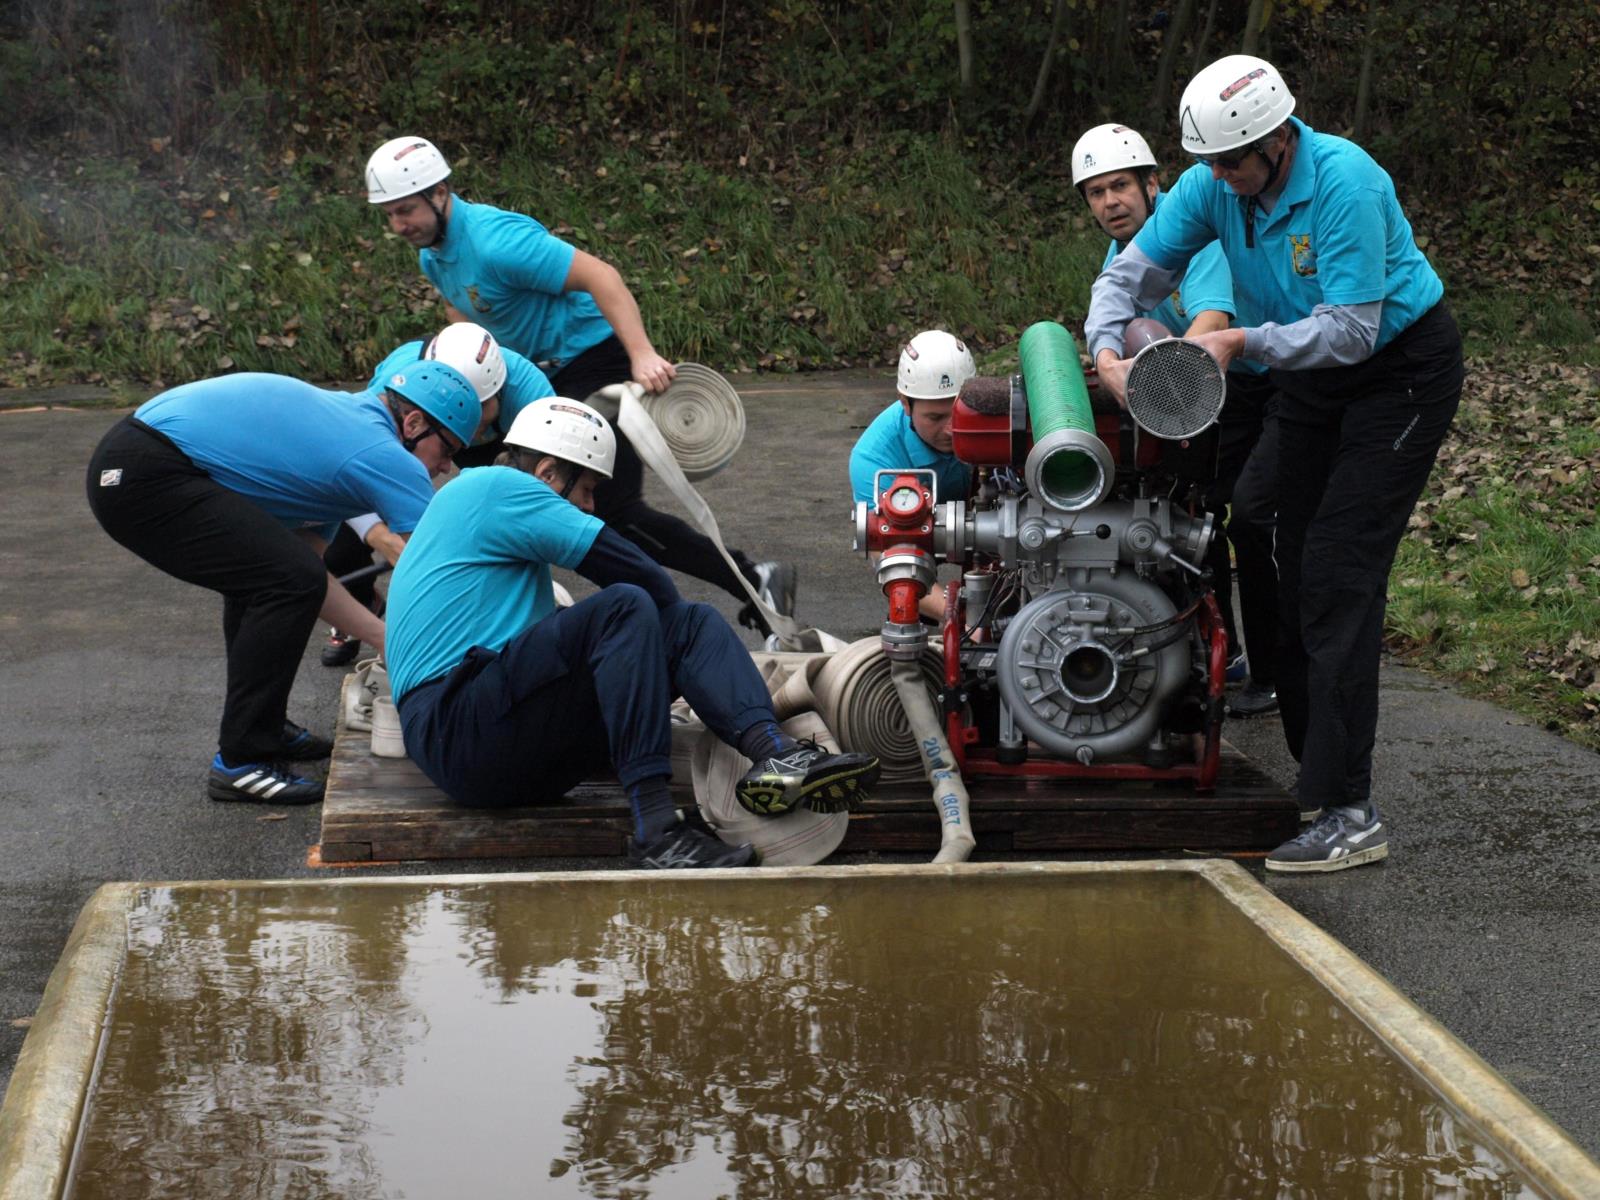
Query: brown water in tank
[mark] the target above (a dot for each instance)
(1099, 1036)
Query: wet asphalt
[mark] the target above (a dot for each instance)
(1486, 914)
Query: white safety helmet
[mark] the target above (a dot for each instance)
(568, 429)
(1108, 148)
(1231, 103)
(934, 365)
(472, 350)
(403, 167)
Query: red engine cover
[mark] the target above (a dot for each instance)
(984, 439)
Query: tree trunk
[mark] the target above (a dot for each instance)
(964, 43)
(1119, 44)
(1205, 38)
(1176, 32)
(1358, 127)
(1058, 22)
(1252, 26)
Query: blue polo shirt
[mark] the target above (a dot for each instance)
(506, 272)
(525, 383)
(891, 444)
(307, 456)
(477, 570)
(1336, 235)
(1206, 286)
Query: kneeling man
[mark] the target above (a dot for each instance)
(506, 700)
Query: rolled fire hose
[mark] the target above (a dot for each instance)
(801, 838)
(857, 698)
(1069, 466)
(956, 840)
(700, 418)
(640, 429)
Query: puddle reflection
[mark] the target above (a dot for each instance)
(1100, 1036)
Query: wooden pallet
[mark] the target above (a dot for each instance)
(382, 809)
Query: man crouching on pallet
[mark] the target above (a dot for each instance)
(505, 700)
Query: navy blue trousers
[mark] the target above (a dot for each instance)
(1355, 447)
(588, 686)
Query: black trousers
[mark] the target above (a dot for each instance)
(149, 496)
(1242, 499)
(1356, 445)
(619, 501)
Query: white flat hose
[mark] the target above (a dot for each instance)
(638, 427)
(956, 840)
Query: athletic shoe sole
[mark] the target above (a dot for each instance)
(1358, 858)
(835, 789)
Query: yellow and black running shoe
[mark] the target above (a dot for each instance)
(807, 775)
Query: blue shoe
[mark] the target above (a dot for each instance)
(260, 783)
(1238, 669)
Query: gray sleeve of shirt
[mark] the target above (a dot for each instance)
(1334, 335)
(1132, 284)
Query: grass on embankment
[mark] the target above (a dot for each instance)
(118, 278)
(1497, 583)
(113, 277)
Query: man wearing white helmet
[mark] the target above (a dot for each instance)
(234, 484)
(505, 382)
(572, 314)
(506, 700)
(913, 433)
(1349, 316)
(1117, 175)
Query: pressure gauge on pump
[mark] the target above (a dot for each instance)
(904, 501)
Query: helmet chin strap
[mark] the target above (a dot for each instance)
(573, 471)
(440, 221)
(1250, 201)
(410, 443)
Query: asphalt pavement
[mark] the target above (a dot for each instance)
(1487, 913)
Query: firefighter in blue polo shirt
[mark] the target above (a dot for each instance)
(1115, 171)
(573, 315)
(1349, 317)
(235, 484)
(506, 700)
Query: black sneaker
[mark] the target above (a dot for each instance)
(301, 745)
(1254, 700)
(1334, 841)
(807, 775)
(688, 846)
(260, 783)
(341, 649)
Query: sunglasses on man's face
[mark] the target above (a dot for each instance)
(1228, 162)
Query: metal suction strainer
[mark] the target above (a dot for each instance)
(1175, 389)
